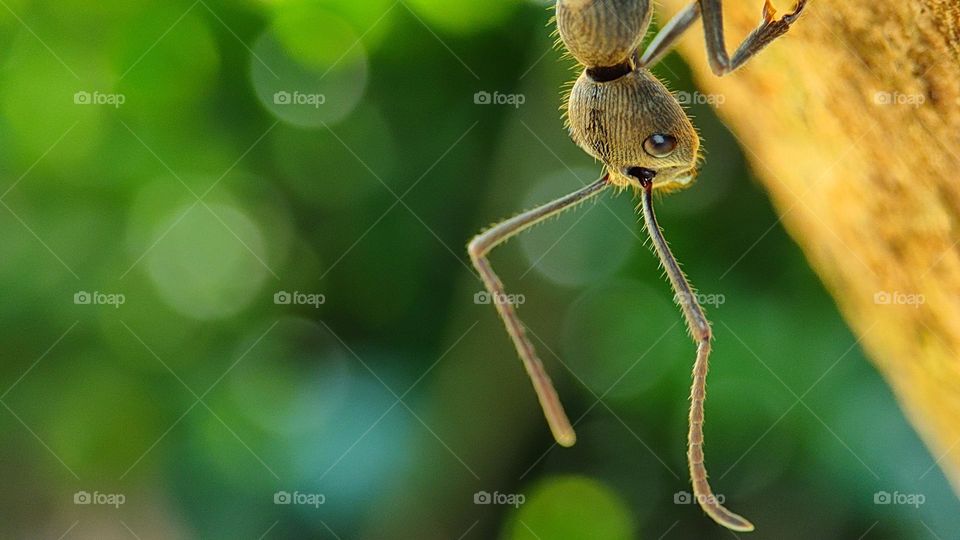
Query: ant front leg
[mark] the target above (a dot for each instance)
(699, 328)
(478, 248)
(712, 12)
(769, 30)
(667, 36)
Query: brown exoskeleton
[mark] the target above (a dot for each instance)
(619, 113)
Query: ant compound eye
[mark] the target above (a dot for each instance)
(660, 145)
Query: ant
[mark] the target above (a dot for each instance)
(620, 114)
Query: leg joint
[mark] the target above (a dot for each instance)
(476, 247)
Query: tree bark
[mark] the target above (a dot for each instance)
(852, 123)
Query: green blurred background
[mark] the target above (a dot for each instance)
(173, 172)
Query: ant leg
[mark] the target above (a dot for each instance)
(667, 36)
(768, 30)
(478, 248)
(700, 330)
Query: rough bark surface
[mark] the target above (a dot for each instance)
(852, 123)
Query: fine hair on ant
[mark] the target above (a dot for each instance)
(620, 114)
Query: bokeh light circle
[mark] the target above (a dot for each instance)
(462, 17)
(38, 105)
(584, 244)
(293, 378)
(572, 507)
(374, 17)
(640, 338)
(208, 261)
(307, 77)
(335, 178)
(178, 71)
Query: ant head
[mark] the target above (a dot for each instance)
(602, 32)
(636, 127)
